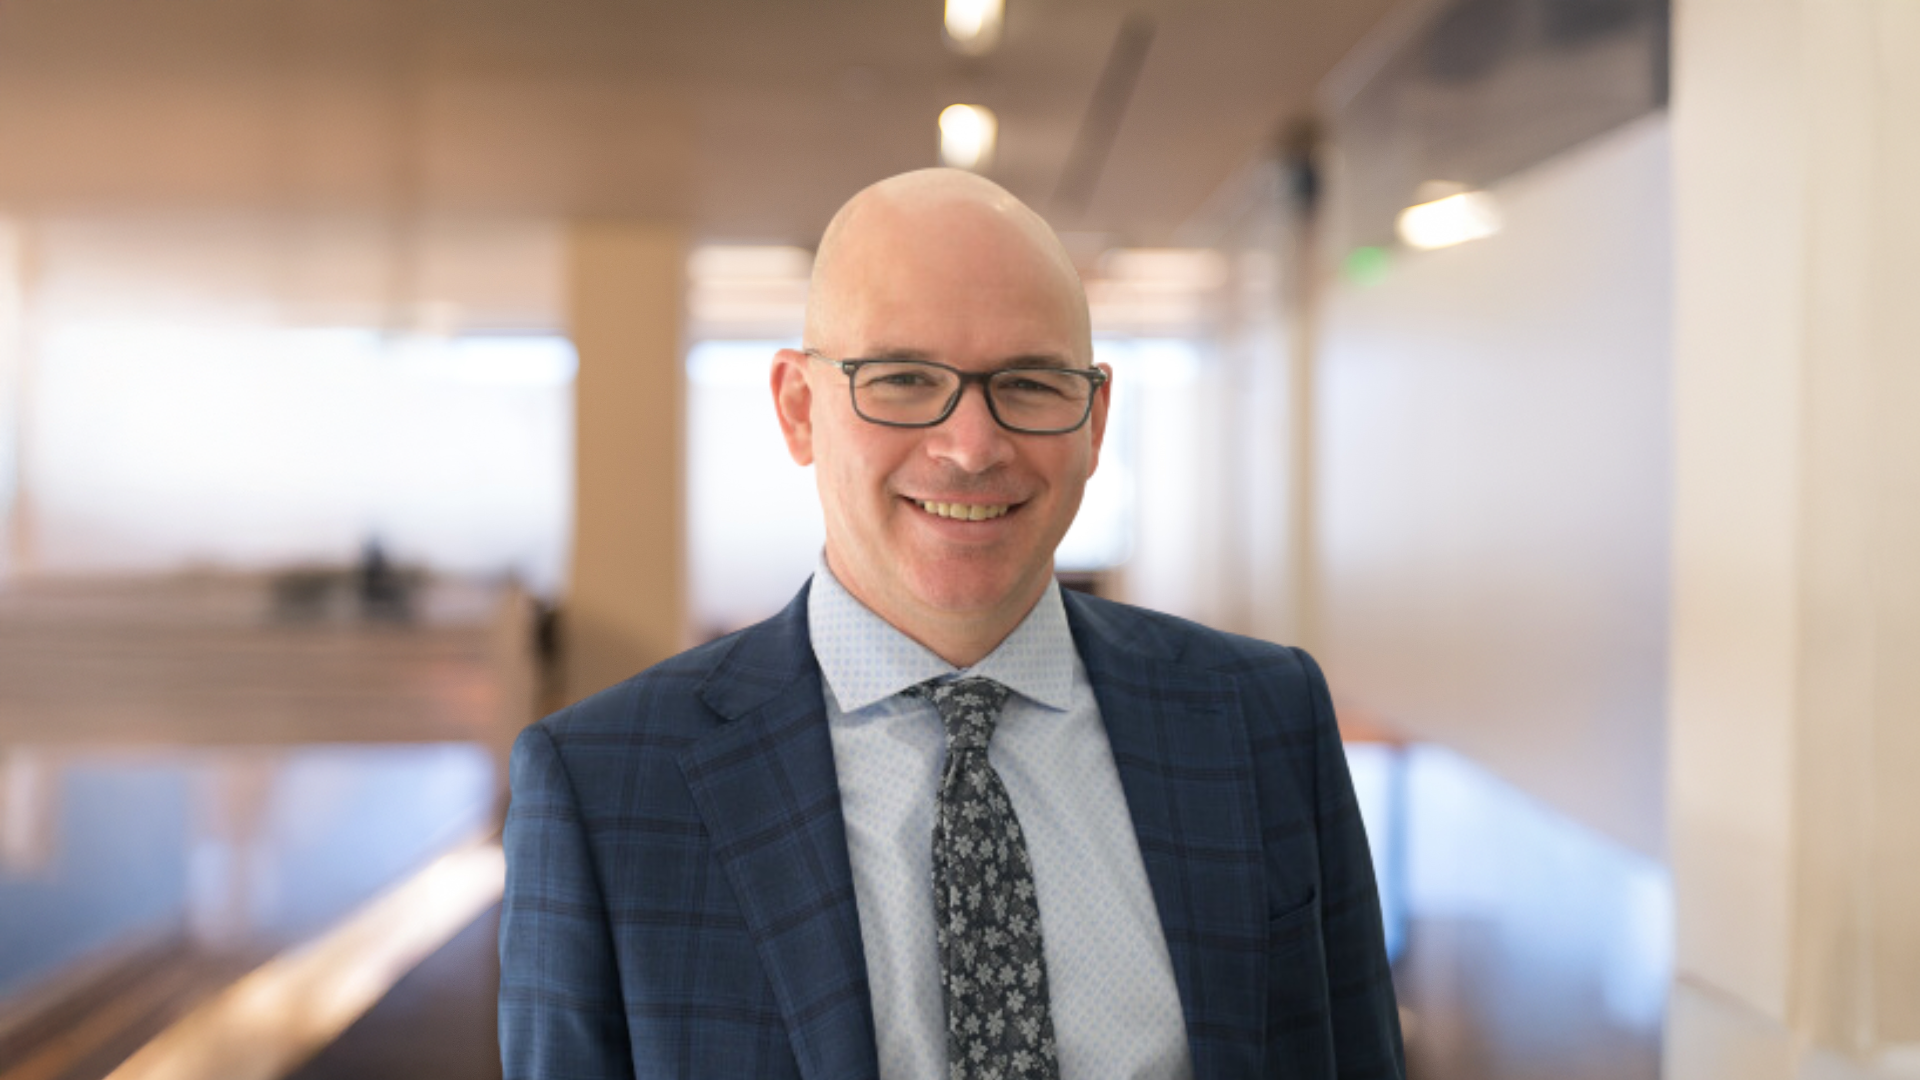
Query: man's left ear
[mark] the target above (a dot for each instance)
(1102, 398)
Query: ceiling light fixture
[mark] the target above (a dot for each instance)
(1455, 219)
(967, 134)
(973, 26)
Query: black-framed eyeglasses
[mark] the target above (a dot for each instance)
(1029, 399)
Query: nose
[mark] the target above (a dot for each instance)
(971, 439)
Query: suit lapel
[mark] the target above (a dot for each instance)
(1186, 768)
(765, 786)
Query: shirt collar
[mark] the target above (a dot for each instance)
(865, 659)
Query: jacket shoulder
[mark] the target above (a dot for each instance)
(599, 754)
(662, 700)
(1183, 641)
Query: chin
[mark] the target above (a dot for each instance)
(961, 590)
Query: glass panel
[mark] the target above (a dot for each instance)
(903, 392)
(251, 847)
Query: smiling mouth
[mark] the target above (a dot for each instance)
(964, 511)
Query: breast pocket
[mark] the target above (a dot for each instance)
(1299, 1025)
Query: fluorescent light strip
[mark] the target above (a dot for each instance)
(280, 1014)
(1456, 219)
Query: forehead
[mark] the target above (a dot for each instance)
(959, 285)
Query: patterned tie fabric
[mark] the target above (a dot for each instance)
(999, 1026)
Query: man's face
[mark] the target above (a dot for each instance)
(968, 294)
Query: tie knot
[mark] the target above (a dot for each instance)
(968, 709)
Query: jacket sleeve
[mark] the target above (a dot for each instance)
(1366, 1018)
(561, 1016)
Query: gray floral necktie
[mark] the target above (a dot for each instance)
(999, 1026)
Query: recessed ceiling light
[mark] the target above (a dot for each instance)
(967, 134)
(973, 26)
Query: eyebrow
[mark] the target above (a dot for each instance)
(896, 352)
(1019, 360)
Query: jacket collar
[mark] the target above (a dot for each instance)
(766, 660)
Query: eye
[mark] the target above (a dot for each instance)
(907, 379)
(1035, 384)
(1032, 384)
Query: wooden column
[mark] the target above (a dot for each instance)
(1795, 721)
(625, 606)
(15, 539)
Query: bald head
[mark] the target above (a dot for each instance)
(940, 228)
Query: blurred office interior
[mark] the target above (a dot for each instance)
(377, 375)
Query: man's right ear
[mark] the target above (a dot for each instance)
(793, 400)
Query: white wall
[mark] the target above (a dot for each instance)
(252, 391)
(1492, 485)
(158, 447)
(754, 530)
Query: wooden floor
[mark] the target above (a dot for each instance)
(437, 1023)
(92, 1026)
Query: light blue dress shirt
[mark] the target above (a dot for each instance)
(1116, 1009)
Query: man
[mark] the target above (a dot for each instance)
(938, 818)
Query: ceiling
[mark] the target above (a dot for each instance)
(750, 120)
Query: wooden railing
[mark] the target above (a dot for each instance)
(216, 660)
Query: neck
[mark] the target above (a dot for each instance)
(961, 638)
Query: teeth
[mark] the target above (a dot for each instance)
(962, 511)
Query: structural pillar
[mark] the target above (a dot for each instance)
(625, 604)
(1795, 712)
(15, 537)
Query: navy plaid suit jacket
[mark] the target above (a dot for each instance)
(679, 901)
